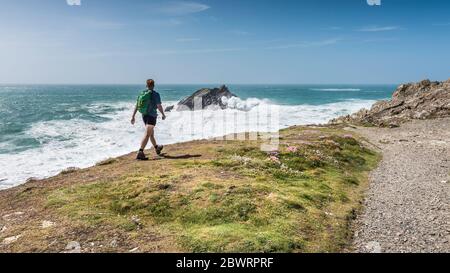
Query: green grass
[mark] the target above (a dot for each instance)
(237, 200)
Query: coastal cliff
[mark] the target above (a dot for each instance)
(229, 196)
(423, 100)
(201, 196)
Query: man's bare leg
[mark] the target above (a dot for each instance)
(149, 134)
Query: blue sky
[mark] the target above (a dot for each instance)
(224, 41)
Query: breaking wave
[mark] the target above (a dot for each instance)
(336, 89)
(82, 143)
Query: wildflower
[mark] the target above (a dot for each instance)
(275, 159)
(292, 149)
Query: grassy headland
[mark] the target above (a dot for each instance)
(205, 196)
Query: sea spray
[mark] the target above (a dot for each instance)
(83, 143)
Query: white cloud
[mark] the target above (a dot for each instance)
(307, 44)
(380, 40)
(332, 28)
(186, 40)
(156, 52)
(177, 8)
(196, 51)
(171, 22)
(442, 24)
(378, 28)
(240, 32)
(73, 2)
(101, 24)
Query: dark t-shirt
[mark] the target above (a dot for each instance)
(153, 107)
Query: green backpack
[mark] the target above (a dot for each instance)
(143, 101)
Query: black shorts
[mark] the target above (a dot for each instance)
(149, 120)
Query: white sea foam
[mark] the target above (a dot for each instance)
(81, 143)
(243, 105)
(336, 89)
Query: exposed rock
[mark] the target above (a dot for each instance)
(137, 221)
(205, 98)
(169, 108)
(47, 224)
(373, 247)
(70, 170)
(423, 100)
(13, 215)
(73, 247)
(11, 240)
(32, 179)
(134, 250)
(114, 243)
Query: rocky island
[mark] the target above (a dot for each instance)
(204, 98)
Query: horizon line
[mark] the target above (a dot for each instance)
(164, 83)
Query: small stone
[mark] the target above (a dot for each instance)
(136, 220)
(113, 243)
(11, 240)
(134, 250)
(393, 125)
(47, 224)
(15, 214)
(373, 247)
(73, 247)
(3, 229)
(53, 243)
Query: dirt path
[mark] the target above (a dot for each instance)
(407, 208)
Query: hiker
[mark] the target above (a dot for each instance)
(147, 103)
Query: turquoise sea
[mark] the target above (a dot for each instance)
(45, 129)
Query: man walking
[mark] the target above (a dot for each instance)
(149, 101)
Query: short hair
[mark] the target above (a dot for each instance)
(150, 81)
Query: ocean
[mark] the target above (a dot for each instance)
(45, 129)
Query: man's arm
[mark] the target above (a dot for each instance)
(161, 110)
(133, 118)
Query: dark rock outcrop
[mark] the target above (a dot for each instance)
(204, 98)
(423, 100)
(169, 108)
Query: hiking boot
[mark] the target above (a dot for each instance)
(141, 156)
(159, 149)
